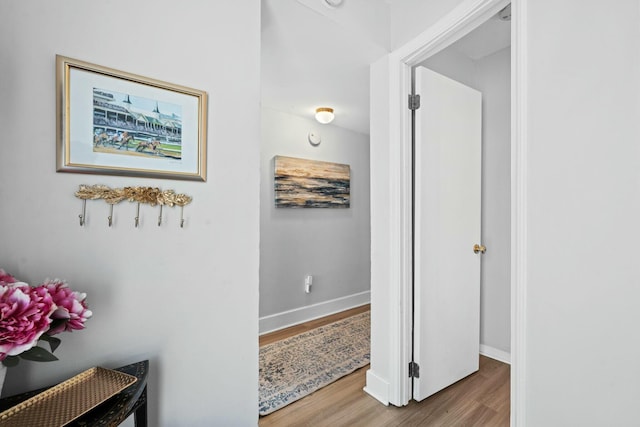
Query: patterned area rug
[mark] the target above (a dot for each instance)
(295, 367)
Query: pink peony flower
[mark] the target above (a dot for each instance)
(24, 317)
(31, 314)
(6, 277)
(71, 311)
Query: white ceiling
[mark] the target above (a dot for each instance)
(317, 56)
(488, 38)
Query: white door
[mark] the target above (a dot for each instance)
(447, 225)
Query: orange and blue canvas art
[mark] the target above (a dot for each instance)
(302, 183)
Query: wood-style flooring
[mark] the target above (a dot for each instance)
(481, 399)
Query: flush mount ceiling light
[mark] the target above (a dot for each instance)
(324, 115)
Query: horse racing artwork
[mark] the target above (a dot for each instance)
(125, 124)
(116, 123)
(302, 183)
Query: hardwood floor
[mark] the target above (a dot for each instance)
(481, 399)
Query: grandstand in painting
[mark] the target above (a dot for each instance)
(138, 126)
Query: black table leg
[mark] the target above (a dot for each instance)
(140, 415)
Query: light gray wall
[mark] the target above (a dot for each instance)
(583, 210)
(187, 299)
(494, 81)
(491, 76)
(454, 65)
(332, 244)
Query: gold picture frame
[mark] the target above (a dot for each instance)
(111, 122)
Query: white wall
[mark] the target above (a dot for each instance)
(491, 76)
(187, 299)
(583, 206)
(333, 245)
(382, 275)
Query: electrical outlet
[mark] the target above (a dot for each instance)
(308, 281)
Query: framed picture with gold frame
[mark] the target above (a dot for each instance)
(112, 122)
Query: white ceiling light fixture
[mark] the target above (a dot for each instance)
(324, 115)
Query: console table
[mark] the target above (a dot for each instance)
(132, 400)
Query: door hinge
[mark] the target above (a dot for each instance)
(414, 370)
(414, 102)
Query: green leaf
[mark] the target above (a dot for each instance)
(53, 341)
(38, 354)
(57, 322)
(11, 361)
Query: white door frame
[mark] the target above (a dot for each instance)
(459, 22)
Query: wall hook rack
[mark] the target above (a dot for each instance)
(146, 195)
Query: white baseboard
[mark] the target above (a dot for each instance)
(377, 388)
(296, 316)
(494, 353)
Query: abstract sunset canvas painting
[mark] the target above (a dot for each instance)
(302, 183)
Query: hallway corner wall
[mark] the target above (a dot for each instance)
(331, 244)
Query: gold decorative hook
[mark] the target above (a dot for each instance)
(110, 218)
(137, 215)
(83, 215)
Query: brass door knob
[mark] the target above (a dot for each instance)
(479, 248)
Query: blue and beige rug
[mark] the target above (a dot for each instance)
(295, 367)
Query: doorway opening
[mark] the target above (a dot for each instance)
(388, 379)
(461, 181)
